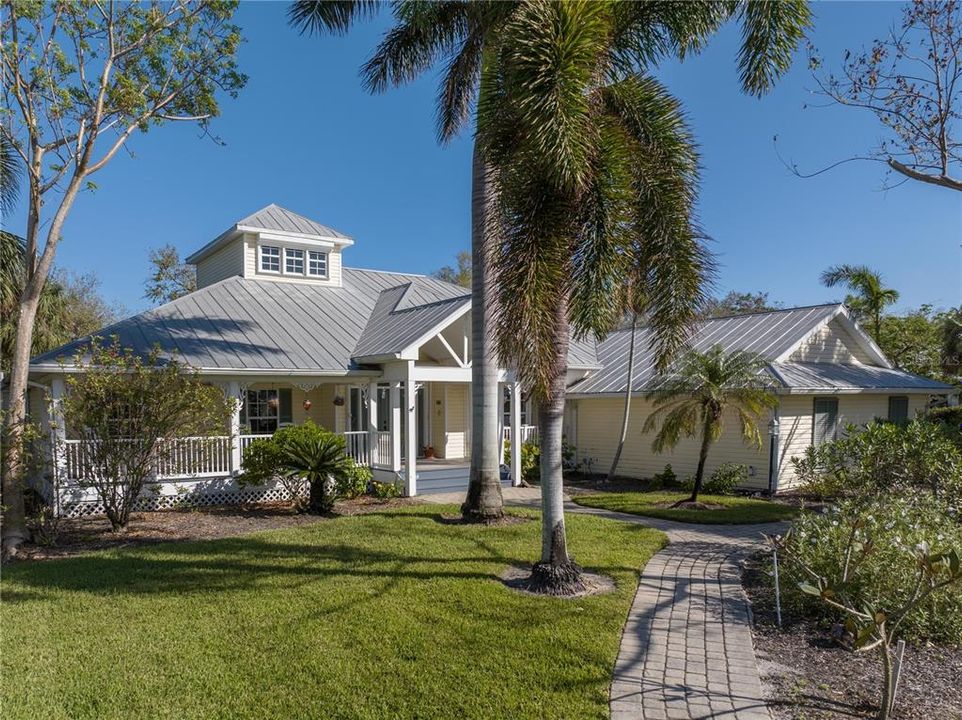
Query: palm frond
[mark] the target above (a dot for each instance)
(771, 33)
(423, 34)
(11, 172)
(313, 17)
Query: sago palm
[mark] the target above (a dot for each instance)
(869, 297)
(694, 398)
(321, 461)
(596, 174)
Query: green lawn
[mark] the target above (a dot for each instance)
(389, 615)
(736, 510)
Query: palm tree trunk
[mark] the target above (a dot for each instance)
(702, 457)
(557, 573)
(624, 419)
(483, 501)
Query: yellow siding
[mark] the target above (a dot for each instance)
(795, 423)
(833, 343)
(322, 409)
(435, 406)
(455, 420)
(251, 269)
(599, 426)
(224, 263)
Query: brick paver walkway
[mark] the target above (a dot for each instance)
(687, 651)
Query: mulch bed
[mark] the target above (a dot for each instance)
(807, 674)
(82, 535)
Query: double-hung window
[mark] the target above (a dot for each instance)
(266, 410)
(316, 263)
(824, 420)
(293, 261)
(270, 259)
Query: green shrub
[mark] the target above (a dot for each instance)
(530, 460)
(297, 455)
(890, 530)
(949, 419)
(355, 481)
(723, 481)
(665, 478)
(726, 478)
(385, 490)
(883, 457)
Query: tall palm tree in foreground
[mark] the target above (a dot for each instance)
(869, 297)
(455, 35)
(596, 177)
(693, 400)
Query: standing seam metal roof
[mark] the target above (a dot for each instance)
(768, 334)
(242, 323)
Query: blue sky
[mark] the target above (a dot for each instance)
(304, 134)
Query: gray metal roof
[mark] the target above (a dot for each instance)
(768, 334)
(274, 217)
(251, 325)
(829, 377)
(246, 324)
(395, 324)
(583, 354)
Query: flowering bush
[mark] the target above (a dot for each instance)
(890, 531)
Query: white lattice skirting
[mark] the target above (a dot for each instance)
(76, 501)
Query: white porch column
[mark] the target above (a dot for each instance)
(234, 395)
(58, 439)
(396, 426)
(516, 433)
(501, 387)
(411, 435)
(372, 424)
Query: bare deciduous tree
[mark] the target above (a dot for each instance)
(79, 79)
(912, 81)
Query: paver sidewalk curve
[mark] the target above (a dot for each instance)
(687, 651)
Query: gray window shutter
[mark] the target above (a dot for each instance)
(898, 408)
(824, 420)
(286, 409)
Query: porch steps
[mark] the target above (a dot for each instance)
(448, 479)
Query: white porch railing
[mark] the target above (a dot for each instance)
(194, 456)
(356, 446)
(246, 440)
(210, 456)
(529, 434)
(381, 455)
(197, 456)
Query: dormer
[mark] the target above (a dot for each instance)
(273, 244)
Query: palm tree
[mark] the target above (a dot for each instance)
(456, 34)
(596, 175)
(869, 296)
(625, 416)
(52, 326)
(318, 458)
(483, 39)
(10, 172)
(694, 398)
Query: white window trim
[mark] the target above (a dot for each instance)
(303, 262)
(260, 260)
(327, 260)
